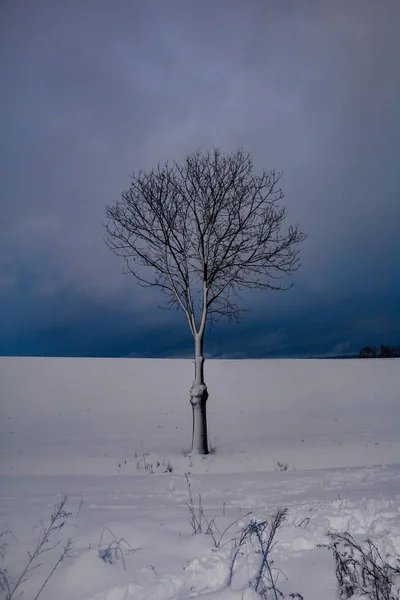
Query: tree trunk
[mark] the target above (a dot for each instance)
(198, 399)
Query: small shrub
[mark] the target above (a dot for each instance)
(197, 519)
(361, 569)
(282, 466)
(115, 550)
(12, 587)
(152, 464)
(264, 533)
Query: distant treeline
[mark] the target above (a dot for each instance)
(384, 352)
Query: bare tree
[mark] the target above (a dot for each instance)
(205, 230)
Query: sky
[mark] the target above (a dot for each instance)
(92, 90)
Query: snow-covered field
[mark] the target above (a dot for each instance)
(321, 438)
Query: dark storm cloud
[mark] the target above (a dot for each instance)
(93, 90)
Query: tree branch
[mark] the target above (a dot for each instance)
(203, 231)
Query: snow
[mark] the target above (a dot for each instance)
(321, 437)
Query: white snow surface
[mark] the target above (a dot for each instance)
(320, 437)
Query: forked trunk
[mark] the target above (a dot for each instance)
(198, 400)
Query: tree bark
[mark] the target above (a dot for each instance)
(198, 400)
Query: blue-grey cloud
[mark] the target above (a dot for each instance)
(93, 90)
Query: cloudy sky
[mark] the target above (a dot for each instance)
(92, 90)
